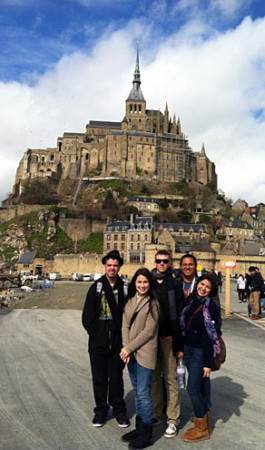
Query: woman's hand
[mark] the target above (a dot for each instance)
(124, 355)
(206, 372)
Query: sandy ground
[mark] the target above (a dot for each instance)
(63, 295)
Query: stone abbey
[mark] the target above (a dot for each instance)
(146, 144)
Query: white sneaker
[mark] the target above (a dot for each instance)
(171, 431)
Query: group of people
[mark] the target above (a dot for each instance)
(147, 325)
(251, 289)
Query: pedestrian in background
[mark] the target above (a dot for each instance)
(241, 287)
(139, 352)
(255, 287)
(220, 281)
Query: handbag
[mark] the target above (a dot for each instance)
(219, 359)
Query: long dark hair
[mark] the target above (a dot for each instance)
(132, 286)
(151, 291)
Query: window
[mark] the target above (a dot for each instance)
(138, 237)
(138, 245)
(132, 246)
(132, 237)
(115, 246)
(108, 237)
(122, 246)
(108, 246)
(123, 237)
(146, 237)
(115, 237)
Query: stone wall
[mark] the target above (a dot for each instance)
(76, 229)
(18, 210)
(68, 264)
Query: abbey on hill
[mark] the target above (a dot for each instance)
(146, 143)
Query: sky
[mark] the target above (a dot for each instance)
(66, 62)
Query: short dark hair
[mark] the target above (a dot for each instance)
(188, 255)
(252, 269)
(163, 252)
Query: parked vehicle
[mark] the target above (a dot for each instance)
(27, 278)
(87, 277)
(97, 276)
(54, 276)
(77, 276)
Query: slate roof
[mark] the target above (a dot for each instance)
(253, 248)
(101, 123)
(139, 223)
(237, 223)
(27, 258)
(185, 226)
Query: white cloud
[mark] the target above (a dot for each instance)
(216, 86)
(229, 8)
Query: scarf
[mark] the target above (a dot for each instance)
(208, 323)
(156, 274)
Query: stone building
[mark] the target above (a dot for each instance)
(146, 143)
(255, 216)
(129, 237)
(236, 229)
(181, 235)
(147, 205)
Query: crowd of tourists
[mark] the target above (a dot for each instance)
(148, 325)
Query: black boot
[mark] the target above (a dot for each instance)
(134, 433)
(145, 438)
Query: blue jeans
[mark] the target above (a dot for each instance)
(199, 388)
(141, 382)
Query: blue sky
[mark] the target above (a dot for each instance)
(36, 34)
(63, 63)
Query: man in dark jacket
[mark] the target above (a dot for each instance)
(102, 319)
(255, 285)
(187, 275)
(170, 296)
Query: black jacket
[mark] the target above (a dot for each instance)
(169, 314)
(197, 336)
(104, 335)
(256, 282)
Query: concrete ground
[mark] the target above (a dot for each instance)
(46, 398)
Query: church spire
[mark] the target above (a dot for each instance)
(137, 75)
(136, 93)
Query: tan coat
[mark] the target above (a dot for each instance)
(141, 339)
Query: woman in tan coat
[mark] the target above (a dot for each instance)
(139, 352)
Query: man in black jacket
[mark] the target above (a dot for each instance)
(102, 319)
(255, 286)
(170, 296)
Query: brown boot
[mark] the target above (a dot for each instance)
(208, 421)
(199, 432)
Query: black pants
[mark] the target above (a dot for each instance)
(107, 378)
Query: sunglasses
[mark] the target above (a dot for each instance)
(159, 261)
